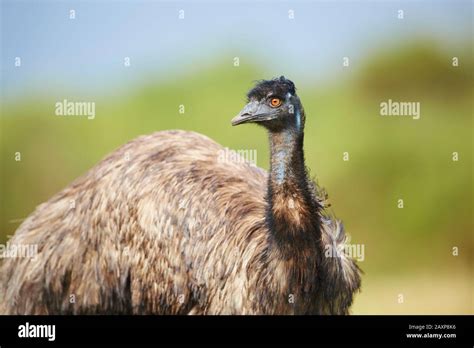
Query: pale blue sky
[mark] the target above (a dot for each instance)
(88, 52)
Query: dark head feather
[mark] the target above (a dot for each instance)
(278, 87)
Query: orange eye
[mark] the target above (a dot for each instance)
(275, 102)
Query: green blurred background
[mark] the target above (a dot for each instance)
(408, 251)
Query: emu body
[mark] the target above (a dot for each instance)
(162, 226)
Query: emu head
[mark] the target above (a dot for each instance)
(274, 105)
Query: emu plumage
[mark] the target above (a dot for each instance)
(162, 226)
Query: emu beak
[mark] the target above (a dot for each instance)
(252, 112)
(247, 114)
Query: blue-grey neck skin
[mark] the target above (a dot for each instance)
(284, 152)
(298, 120)
(287, 156)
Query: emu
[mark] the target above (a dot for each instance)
(160, 226)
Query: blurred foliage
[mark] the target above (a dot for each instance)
(418, 69)
(390, 157)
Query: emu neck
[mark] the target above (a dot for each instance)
(291, 210)
(287, 168)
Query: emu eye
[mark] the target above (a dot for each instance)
(275, 102)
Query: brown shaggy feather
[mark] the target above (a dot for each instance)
(160, 226)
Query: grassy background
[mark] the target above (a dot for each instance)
(407, 251)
